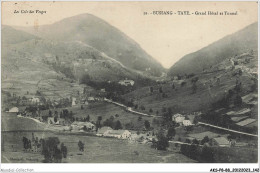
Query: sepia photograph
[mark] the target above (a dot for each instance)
(129, 82)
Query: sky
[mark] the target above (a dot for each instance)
(167, 38)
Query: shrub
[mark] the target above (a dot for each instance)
(171, 132)
(118, 125)
(162, 142)
(51, 151)
(147, 124)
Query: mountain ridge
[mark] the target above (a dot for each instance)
(101, 35)
(217, 51)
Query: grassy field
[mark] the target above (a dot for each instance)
(10, 122)
(97, 149)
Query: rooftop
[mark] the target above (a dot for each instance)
(177, 115)
(244, 111)
(253, 124)
(246, 122)
(221, 141)
(249, 98)
(231, 113)
(240, 112)
(237, 119)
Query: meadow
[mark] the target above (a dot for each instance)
(97, 149)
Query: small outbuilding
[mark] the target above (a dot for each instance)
(186, 123)
(178, 118)
(14, 109)
(220, 141)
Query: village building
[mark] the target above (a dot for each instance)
(230, 113)
(73, 101)
(126, 82)
(250, 99)
(14, 109)
(241, 112)
(55, 103)
(187, 123)
(220, 141)
(175, 78)
(219, 110)
(254, 71)
(253, 124)
(91, 99)
(240, 118)
(120, 134)
(246, 122)
(142, 137)
(178, 118)
(34, 100)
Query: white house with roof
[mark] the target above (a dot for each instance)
(250, 98)
(244, 111)
(246, 122)
(220, 141)
(187, 123)
(14, 109)
(35, 100)
(73, 101)
(91, 99)
(175, 77)
(178, 118)
(126, 82)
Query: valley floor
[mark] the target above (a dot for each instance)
(97, 149)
